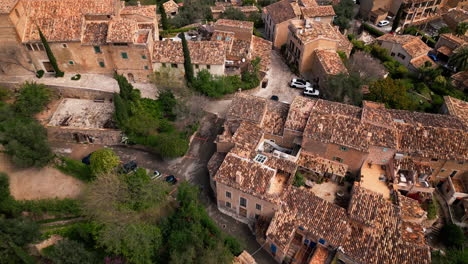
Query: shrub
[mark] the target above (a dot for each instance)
(40, 73)
(32, 98)
(8, 204)
(452, 236)
(299, 180)
(233, 245)
(169, 145)
(75, 168)
(70, 252)
(432, 208)
(103, 161)
(76, 77)
(55, 207)
(373, 31)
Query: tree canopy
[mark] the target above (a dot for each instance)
(390, 92)
(103, 161)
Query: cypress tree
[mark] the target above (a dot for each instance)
(50, 55)
(396, 21)
(187, 62)
(162, 12)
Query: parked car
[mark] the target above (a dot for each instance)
(129, 166)
(274, 98)
(383, 23)
(299, 83)
(309, 91)
(433, 57)
(156, 175)
(87, 160)
(171, 179)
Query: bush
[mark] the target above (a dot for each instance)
(70, 252)
(169, 145)
(8, 204)
(40, 73)
(76, 77)
(233, 245)
(432, 208)
(373, 31)
(452, 236)
(299, 180)
(54, 207)
(103, 161)
(75, 168)
(32, 98)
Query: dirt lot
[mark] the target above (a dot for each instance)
(33, 183)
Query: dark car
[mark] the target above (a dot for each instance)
(129, 166)
(87, 160)
(274, 98)
(171, 179)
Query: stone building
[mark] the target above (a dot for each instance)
(171, 8)
(220, 7)
(409, 50)
(448, 44)
(87, 36)
(278, 15)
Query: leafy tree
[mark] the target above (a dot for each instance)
(461, 29)
(432, 208)
(390, 92)
(344, 14)
(188, 67)
(70, 252)
(103, 161)
(167, 101)
(169, 145)
(299, 180)
(121, 109)
(444, 30)
(345, 87)
(50, 55)
(15, 234)
(451, 256)
(162, 12)
(25, 140)
(459, 59)
(452, 236)
(8, 205)
(126, 88)
(234, 14)
(32, 98)
(5, 93)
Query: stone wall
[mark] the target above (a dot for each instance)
(81, 135)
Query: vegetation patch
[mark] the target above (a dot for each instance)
(76, 77)
(40, 73)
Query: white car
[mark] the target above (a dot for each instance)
(383, 23)
(309, 91)
(299, 83)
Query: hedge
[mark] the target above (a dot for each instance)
(372, 30)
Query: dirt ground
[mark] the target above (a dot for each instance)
(34, 183)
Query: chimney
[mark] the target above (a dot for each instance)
(307, 23)
(239, 177)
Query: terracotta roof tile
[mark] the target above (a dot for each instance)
(122, 30)
(410, 209)
(248, 108)
(413, 45)
(145, 10)
(235, 23)
(7, 5)
(275, 118)
(207, 52)
(320, 165)
(299, 112)
(318, 11)
(457, 107)
(95, 33)
(330, 61)
(168, 52)
(281, 11)
(170, 6)
(261, 48)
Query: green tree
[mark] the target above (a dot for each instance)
(50, 55)
(126, 89)
(121, 110)
(344, 14)
(169, 145)
(70, 252)
(15, 234)
(432, 208)
(459, 59)
(8, 205)
(390, 92)
(443, 30)
(167, 102)
(452, 236)
(234, 14)
(345, 87)
(162, 12)
(299, 180)
(188, 67)
(103, 161)
(461, 29)
(32, 98)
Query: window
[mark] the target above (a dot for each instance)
(461, 162)
(17, 13)
(143, 57)
(120, 44)
(64, 45)
(392, 54)
(208, 67)
(40, 46)
(453, 173)
(29, 46)
(228, 38)
(102, 64)
(228, 195)
(218, 37)
(97, 49)
(243, 202)
(317, 19)
(260, 158)
(228, 204)
(258, 207)
(146, 67)
(173, 65)
(434, 159)
(385, 149)
(442, 170)
(343, 148)
(338, 159)
(196, 66)
(401, 56)
(124, 55)
(164, 65)
(384, 160)
(71, 62)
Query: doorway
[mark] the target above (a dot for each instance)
(47, 66)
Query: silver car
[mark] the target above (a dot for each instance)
(299, 83)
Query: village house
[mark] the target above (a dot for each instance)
(413, 12)
(275, 140)
(448, 44)
(409, 50)
(456, 16)
(460, 80)
(220, 7)
(101, 36)
(312, 47)
(209, 55)
(278, 15)
(171, 8)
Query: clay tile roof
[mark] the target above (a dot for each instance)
(281, 11)
(320, 165)
(299, 112)
(330, 62)
(318, 218)
(235, 23)
(416, 48)
(7, 5)
(275, 117)
(410, 208)
(122, 30)
(318, 11)
(421, 62)
(445, 50)
(247, 176)
(145, 10)
(62, 20)
(215, 162)
(410, 164)
(248, 108)
(168, 52)
(320, 256)
(451, 37)
(247, 136)
(170, 6)
(457, 107)
(400, 39)
(261, 48)
(95, 33)
(207, 52)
